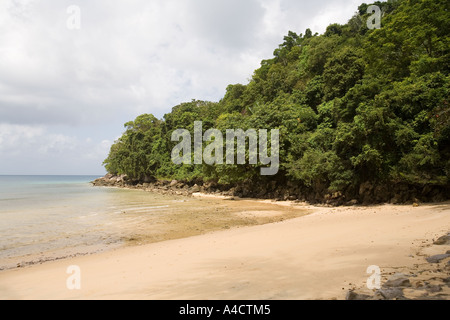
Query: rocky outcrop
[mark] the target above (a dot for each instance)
(173, 187)
(367, 193)
(427, 281)
(397, 280)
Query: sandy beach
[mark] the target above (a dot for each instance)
(319, 255)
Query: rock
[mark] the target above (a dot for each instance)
(444, 240)
(109, 176)
(437, 258)
(261, 194)
(351, 295)
(396, 199)
(391, 293)
(195, 188)
(336, 195)
(365, 188)
(426, 190)
(148, 179)
(173, 183)
(353, 202)
(415, 205)
(433, 288)
(397, 280)
(99, 182)
(381, 193)
(378, 296)
(210, 185)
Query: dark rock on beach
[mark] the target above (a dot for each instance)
(397, 280)
(437, 258)
(391, 293)
(433, 288)
(444, 240)
(427, 281)
(351, 295)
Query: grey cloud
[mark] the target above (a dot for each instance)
(226, 23)
(131, 57)
(308, 10)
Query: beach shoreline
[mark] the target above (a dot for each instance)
(321, 255)
(181, 217)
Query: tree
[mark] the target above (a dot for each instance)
(352, 106)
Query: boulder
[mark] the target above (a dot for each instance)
(433, 288)
(391, 293)
(444, 240)
(336, 195)
(381, 193)
(365, 188)
(437, 258)
(396, 199)
(353, 202)
(352, 295)
(397, 280)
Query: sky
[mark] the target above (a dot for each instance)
(73, 72)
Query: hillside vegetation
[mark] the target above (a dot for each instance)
(362, 114)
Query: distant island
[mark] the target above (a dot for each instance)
(362, 113)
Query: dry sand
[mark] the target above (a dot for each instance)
(317, 256)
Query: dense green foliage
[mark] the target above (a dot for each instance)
(352, 105)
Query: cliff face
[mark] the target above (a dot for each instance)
(367, 193)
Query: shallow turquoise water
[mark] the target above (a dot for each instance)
(48, 217)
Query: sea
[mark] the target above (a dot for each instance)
(46, 218)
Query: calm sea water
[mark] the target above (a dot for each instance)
(49, 217)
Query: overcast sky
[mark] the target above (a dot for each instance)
(65, 92)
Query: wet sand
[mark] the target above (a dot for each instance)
(320, 255)
(149, 218)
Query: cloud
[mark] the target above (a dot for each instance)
(33, 146)
(132, 57)
(229, 25)
(12, 136)
(136, 56)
